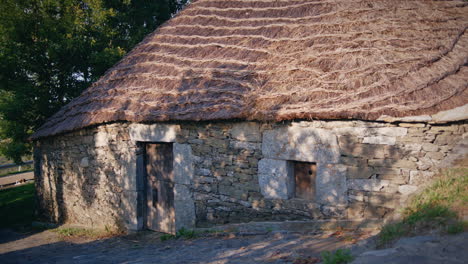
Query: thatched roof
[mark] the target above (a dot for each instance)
(285, 59)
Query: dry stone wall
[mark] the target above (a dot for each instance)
(79, 178)
(241, 171)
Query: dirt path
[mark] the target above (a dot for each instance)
(146, 247)
(6, 180)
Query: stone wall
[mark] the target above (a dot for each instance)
(240, 170)
(79, 178)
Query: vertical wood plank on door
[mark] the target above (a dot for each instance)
(305, 174)
(160, 187)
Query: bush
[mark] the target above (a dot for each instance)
(338, 257)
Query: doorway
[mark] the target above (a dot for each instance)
(159, 187)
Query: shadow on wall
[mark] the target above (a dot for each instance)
(81, 177)
(359, 167)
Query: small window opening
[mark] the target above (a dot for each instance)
(304, 179)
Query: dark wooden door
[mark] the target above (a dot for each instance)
(304, 173)
(160, 188)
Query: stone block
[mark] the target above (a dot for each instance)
(244, 145)
(128, 209)
(182, 192)
(366, 150)
(301, 144)
(84, 162)
(184, 214)
(246, 131)
(384, 200)
(391, 174)
(367, 131)
(154, 132)
(430, 147)
(412, 125)
(275, 178)
(359, 172)
(407, 189)
(370, 185)
(407, 164)
(183, 163)
(356, 210)
(372, 212)
(420, 177)
(435, 155)
(331, 187)
(128, 165)
(101, 139)
(383, 140)
(353, 161)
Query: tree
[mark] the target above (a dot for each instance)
(50, 50)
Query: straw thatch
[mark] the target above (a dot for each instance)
(285, 59)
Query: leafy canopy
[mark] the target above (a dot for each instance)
(50, 50)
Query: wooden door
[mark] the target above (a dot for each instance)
(304, 174)
(159, 187)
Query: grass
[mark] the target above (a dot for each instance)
(182, 233)
(436, 209)
(17, 206)
(340, 256)
(75, 232)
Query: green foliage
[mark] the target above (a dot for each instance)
(50, 50)
(456, 228)
(73, 232)
(186, 234)
(435, 208)
(166, 237)
(337, 257)
(181, 233)
(17, 206)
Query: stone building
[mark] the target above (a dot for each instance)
(273, 110)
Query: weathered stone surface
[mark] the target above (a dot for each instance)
(246, 131)
(183, 163)
(84, 162)
(379, 140)
(225, 169)
(245, 145)
(420, 177)
(412, 125)
(360, 172)
(101, 139)
(408, 164)
(331, 188)
(301, 144)
(430, 147)
(372, 185)
(154, 132)
(275, 178)
(366, 131)
(184, 214)
(407, 189)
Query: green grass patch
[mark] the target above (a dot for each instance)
(340, 256)
(78, 232)
(17, 206)
(438, 207)
(184, 233)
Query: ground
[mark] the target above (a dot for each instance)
(146, 247)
